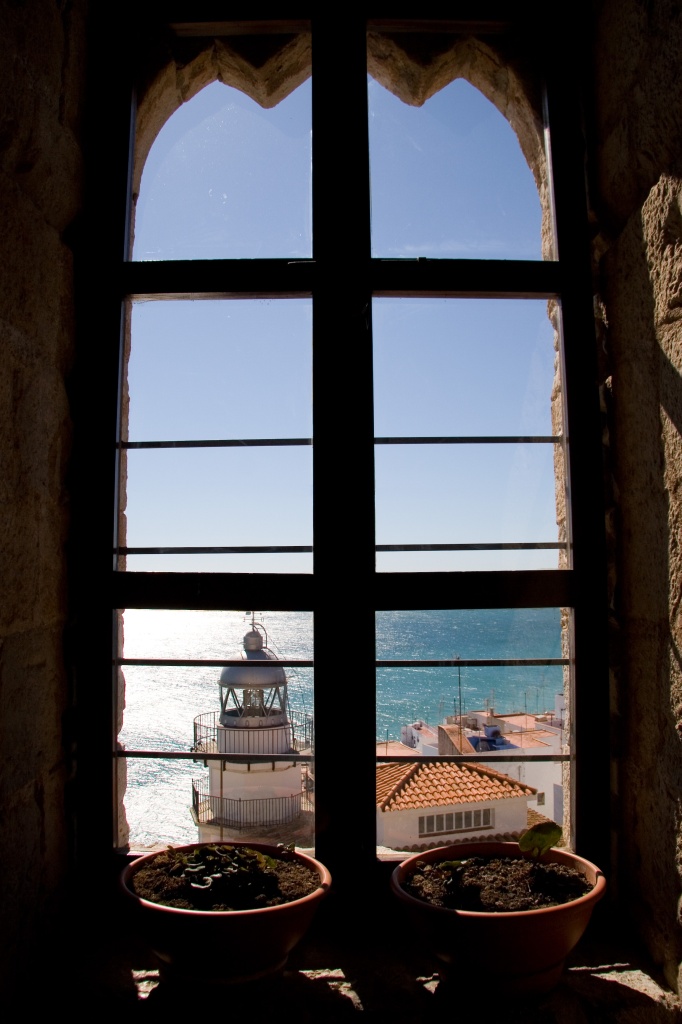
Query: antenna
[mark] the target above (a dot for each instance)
(459, 688)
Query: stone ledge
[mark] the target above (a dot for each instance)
(383, 973)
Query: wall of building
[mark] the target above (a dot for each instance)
(399, 830)
(41, 91)
(634, 167)
(635, 162)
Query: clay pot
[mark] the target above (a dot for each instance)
(225, 947)
(519, 952)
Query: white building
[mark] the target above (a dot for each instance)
(498, 735)
(440, 803)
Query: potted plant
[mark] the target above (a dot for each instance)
(226, 912)
(461, 916)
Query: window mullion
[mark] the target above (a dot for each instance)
(590, 783)
(343, 460)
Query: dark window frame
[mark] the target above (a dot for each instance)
(339, 266)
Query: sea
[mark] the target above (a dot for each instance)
(161, 702)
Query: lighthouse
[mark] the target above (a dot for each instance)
(244, 793)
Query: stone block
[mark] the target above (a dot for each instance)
(36, 297)
(36, 145)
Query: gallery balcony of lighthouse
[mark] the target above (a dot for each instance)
(210, 737)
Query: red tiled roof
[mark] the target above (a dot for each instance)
(415, 785)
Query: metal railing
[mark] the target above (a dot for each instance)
(243, 814)
(250, 741)
(205, 733)
(303, 729)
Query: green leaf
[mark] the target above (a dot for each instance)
(540, 838)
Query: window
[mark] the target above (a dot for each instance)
(352, 281)
(459, 821)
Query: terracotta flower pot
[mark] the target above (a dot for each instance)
(228, 946)
(520, 951)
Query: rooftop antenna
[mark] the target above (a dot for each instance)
(459, 688)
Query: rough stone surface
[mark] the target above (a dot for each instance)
(41, 69)
(643, 269)
(638, 101)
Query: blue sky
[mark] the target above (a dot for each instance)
(227, 179)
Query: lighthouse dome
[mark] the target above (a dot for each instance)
(269, 672)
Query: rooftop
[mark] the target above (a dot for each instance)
(402, 786)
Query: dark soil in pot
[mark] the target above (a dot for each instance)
(223, 877)
(496, 884)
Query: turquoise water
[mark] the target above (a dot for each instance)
(161, 703)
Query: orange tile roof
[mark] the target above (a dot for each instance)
(417, 785)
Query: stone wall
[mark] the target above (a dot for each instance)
(41, 72)
(635, 170)
(636, 166)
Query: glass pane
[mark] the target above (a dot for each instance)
(281, 562)
(220, 497)
(467, 367)
(491, 711)
(228, 179)
(467, 494)
(219, 371)
(448, 179)
(455, 369)
(170, 708)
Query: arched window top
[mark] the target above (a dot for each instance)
(263, 171)
(267, 68)
(449, 179)
(228, 178)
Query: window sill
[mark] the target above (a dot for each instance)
(364, 958)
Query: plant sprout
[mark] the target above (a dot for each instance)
(540, 838)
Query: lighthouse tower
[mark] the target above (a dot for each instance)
(243, 793)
